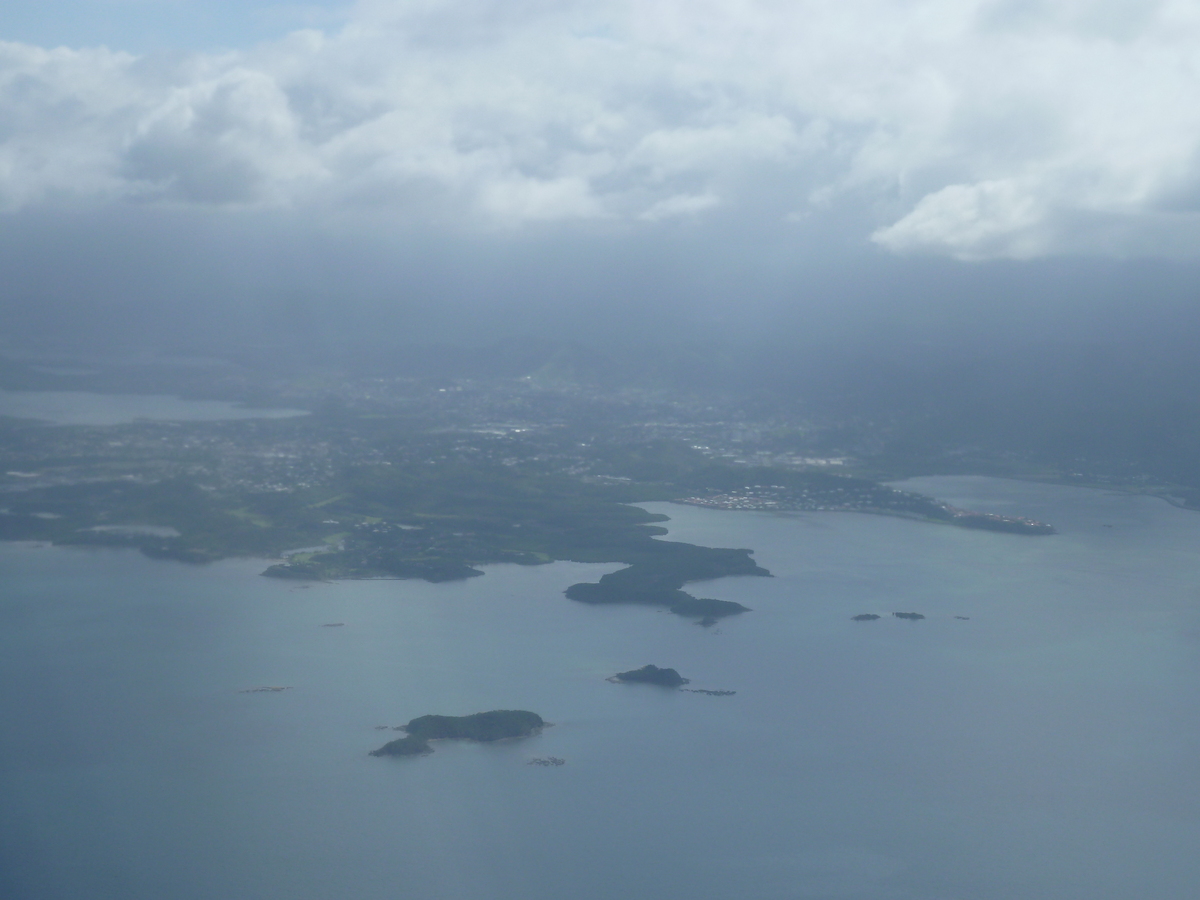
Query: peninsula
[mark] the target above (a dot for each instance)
(418, 479)
(860, 495)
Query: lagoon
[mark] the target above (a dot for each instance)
(1042, 747)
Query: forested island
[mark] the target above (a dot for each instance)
(656, 579)
(651, 674)
(495, 725)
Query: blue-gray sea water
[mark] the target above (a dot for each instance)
(1043, 747)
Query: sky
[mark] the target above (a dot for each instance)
(433, 165)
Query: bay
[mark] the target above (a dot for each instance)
(86, 408)
(1043, 746)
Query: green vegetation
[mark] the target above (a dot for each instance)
(416, 479)
(496, 725)
(707, 609)
(657, 572)
(651, 674)
(484, 726)
(439, 523)
(421, 517)
(209, 526)
(405, 746)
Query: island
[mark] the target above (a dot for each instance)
(657, 574)
(864, 617)
(909, 615)
(707, 609)
(405, 746)
(651, 674)
(495, 725)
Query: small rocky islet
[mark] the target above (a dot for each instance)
(911, 616)
(494, 725)
(668, 678)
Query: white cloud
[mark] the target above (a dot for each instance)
(59, 110)
(524, 199)
(231, 138)
(991, 218)
(1005, 128)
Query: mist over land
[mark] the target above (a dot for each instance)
(1073, 363)
(1076, 357)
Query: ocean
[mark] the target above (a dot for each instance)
(1043, 745)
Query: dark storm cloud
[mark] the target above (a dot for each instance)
(185, 280)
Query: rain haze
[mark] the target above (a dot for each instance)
(175, 165)
(436, 311)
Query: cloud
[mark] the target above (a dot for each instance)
(230, 138)
(997, 129)
(679, 205)
(990, 218)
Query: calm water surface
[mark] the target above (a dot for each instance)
(1044, 747)
(85, 408)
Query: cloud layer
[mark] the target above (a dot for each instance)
(1007, 128)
